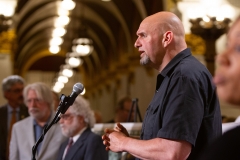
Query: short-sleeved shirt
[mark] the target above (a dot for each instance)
(185, 105)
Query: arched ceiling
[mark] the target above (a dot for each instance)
(111, 25)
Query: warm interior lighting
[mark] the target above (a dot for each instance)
(82, 46)
(59, 31)
(83, 50)
(67, 72)
(62, 21)
(206, 19)
(83, 92)
(68, 4)
(74, 61)
(63, 79)
(62, 12)
(56, 89)
(7, 7)
(219, 18)
(211, 9)
(54, 49)
(55, 41)
(59, 84)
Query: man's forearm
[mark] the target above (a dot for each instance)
(156, 149)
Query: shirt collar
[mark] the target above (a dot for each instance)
(36, 124)
(183, 54)
(75, 138)
(170, 66)
(10, 109)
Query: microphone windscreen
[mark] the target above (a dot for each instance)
(78, 88)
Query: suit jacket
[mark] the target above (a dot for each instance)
(23, 140)
(4, 127)
(89, 146)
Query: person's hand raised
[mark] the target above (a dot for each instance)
(113, 139)
(120, 128)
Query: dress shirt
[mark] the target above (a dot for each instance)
(75, 138)
(38, 130)
(10, 109)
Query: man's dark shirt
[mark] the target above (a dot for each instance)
(185, 105)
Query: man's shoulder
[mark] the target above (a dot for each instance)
(24, 121)
(3, 112)
(91, 134)
(3, 108)
(192, 68)
(192, 62)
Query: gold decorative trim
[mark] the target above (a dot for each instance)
(196, 44)
(6, 41)
(37, 56)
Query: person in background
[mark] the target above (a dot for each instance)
(226, 119)
(227, 79)
(98, 116)
(82, 144)
(184, 114)
(122, 111)
(13, 111)
(38, 98)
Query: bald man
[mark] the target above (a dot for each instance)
(184, 114)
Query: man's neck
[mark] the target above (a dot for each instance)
(13, 105)
(43, 121)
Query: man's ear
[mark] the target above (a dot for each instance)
(167, 38)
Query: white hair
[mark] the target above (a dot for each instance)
(82, 107)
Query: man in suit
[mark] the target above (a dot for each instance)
(14, 110)
(76, 124)
(39, 100)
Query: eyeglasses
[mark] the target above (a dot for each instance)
(16, 90)
(66, 116)
(35, 100)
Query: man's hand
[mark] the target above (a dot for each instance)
(120, 128)
(106, 139)
(114, 140)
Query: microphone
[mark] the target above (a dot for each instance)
(68, 101)
(77, 89)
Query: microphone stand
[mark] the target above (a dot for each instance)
(136, 111)
(62, 108)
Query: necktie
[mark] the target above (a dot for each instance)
(13, 120)
(70, 142)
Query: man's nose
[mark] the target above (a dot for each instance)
(136, 44)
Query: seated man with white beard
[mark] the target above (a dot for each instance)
(83, 144)
(38, 98)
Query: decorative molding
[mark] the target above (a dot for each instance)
(7, 39)
(196, 44)
(34, 58)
